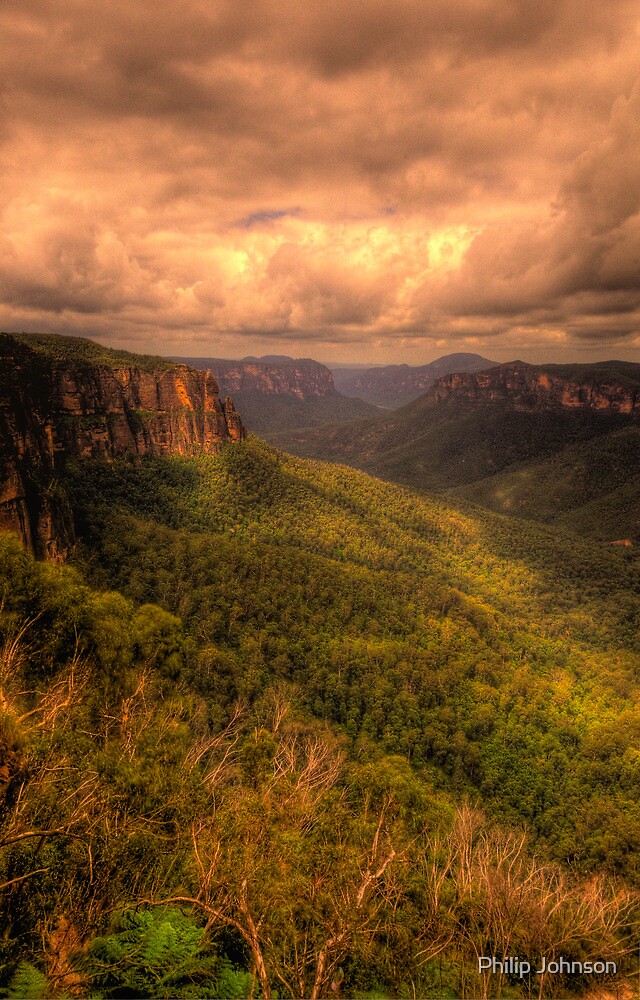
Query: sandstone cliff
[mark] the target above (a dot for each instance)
(609, 389)
(62, 398)
(302, 378)
(393, 386)
(276, 393)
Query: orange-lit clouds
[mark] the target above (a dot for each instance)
(376, 180)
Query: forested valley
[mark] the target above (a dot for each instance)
(279, 729)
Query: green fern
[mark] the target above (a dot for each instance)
(28, 983)
(151, 953)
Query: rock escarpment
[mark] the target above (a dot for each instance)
(393, 386)
(276, 393)
(62, 398)
(610, 388)
(471, 426)
(302, 378)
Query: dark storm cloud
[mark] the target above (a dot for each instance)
(459, 170)
(582, 259)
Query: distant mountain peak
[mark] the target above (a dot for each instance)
(268, 358)
(397, 385)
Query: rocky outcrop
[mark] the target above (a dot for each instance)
(103, 411)
(53, 408)
(302, 377)
(605, 389)
(277, 393)
(392, 386)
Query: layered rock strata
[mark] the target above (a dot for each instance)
(52, 409)
(548, 387)
(302, 377)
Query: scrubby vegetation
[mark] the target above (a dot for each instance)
(80, 351)
(285, 730)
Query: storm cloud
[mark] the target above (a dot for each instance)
(372, 180)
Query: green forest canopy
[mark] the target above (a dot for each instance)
(264, 677)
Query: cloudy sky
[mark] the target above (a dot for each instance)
(382, 180)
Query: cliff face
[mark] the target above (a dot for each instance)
(396, 385)
(111, 412)
(549, 387)
(302, 378)
(52, 409)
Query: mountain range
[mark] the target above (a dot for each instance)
(277, 393)
(270, 723)
(392, 386)
(560, 425)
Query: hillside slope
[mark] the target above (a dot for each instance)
(592, 488)
(184, 809)
(280, 722)
(351, 589)
(468, 428)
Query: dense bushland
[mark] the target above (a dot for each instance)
(591, 488)
(286, 730)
